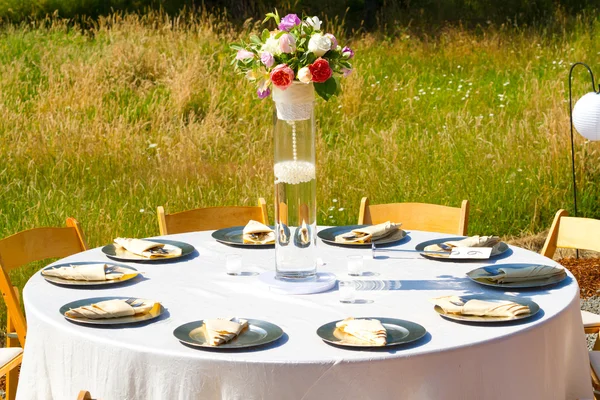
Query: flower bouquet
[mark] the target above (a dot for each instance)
(295, 52)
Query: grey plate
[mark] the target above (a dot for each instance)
(111, 251)
(258, 333)
(480, 275)
(70, 282)
(500, 249)
(399, 331)
(533, 308)
(153, 313)
(328, 236)
(233, 237)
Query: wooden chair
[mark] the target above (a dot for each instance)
(583, 234)
(575, 233)
(210, 218)
(84, 395)
(419, 216)
(15, 251)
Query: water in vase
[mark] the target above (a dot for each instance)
(295, 217)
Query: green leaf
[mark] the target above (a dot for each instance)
(327, 89)
(255, 39)
(265, 35)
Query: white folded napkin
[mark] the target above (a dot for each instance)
(368, 233)
(115, 308)
(367, 331)
(482, 308)
(524, 274)
(223, 330)
(257, 233)
(147, 248)
(87, 272)
(472, 241)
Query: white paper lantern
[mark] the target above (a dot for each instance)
(586, 116)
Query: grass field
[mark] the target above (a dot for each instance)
(106, 125)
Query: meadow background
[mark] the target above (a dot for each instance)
(105, 121)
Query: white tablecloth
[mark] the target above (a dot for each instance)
(544, 358)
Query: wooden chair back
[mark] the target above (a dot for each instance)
(418, 216)
(572, 233)
(210, 218)
(28, 246)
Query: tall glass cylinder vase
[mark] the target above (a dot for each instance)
(295, 183)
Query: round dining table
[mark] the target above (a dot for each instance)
(542, 357)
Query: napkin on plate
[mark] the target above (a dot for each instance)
(367, 331)
(368, 233)
(223, 330)
(115, 308)
(147, 248)
(472, 241)
(481, 308)
(257, 233)
(87, 272)
(524, 274)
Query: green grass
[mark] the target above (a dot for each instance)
(105, 126)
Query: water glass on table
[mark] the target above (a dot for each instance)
(355, 265)
(347, 291)
(233, 264)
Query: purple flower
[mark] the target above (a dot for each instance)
(346, 71)
(288, 22)
(243, 54)
(267, 59)
(263, 93)
(334, 43)
(347, 52)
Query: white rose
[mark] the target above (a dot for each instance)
(304, 75)
(271, 45)
(315, 22)
(319, 44)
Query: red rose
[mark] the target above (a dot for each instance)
(282, 76)
(320, 70)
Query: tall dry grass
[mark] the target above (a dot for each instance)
(105, 125)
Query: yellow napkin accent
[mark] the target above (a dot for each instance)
(524, 274)
(367, 331)
(223, 330)
(146, 248)
(257, 233)
(88, 272)
(482, 308)
(115, 308)
(368, 233)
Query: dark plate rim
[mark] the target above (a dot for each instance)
(412, 336)
(463, 318)
(222, 231)
(65, 282)
(348, 229)
(553, 280)
(181, 333)
(421, 246)
(186, 250)
(113, 321)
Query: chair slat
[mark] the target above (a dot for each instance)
(418, 216)
(211, 218)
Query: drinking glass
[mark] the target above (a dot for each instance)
(233, 264)
(355, 265)
(347, 291)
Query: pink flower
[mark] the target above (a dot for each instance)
(267, 59)
(282, 76)
(334, 43)
(243, 54)
(263, 93)
(346, 71)
(287, 43)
